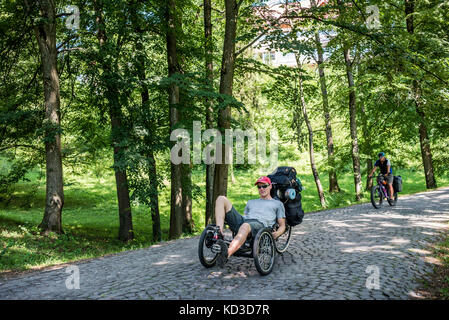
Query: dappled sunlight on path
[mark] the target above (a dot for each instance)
(331, 256)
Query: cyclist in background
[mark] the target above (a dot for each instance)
(385, 169)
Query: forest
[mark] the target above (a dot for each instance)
(92, 93)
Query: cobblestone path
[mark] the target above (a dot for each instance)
(334, 254)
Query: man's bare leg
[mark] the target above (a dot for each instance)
(239, 238)
(222, 205)
(391, 191)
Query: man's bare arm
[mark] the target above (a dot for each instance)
(281, 229)
(372, 172)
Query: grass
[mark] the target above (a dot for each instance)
(436, 285)
(90, 215)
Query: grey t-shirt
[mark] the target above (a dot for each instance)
(266, 211)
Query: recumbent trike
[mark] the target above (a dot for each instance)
(262, 247)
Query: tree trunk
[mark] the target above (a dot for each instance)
(115, 114)
(208, 105)
(176, 214)
(424, 143)
(316, 176)
(426, 152)
(369, 168)
(154, 201)
(152, 174)
(145, 98)
(186, 178)
(366, 147)
(333, 182)
(353, 127)
(121, 180)
(187, 223)
(226, 83)
(46, 39)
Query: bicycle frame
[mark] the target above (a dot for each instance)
(382, 188)
(380, 191)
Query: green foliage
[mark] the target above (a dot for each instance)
(10, 176)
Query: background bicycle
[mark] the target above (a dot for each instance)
(380, 192)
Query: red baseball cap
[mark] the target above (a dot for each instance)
(263, 180)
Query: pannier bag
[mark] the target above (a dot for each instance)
(397, 183)
(283, 180)
(293, 211)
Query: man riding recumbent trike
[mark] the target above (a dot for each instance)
(264, 229)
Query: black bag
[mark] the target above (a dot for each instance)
(284, 178)
(397, 183)
(293, 211)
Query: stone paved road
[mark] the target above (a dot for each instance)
(328, 258)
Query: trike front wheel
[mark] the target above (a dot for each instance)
(264, 251)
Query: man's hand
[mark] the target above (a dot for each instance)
(280, 230)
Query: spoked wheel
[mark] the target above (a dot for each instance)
(395, 199)
(207, 257)
(283, 241)
(264, 251)
(376, 196)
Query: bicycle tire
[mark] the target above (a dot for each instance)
(395, 199)
(208, 263)
(376, 194)
(264, 251)
(283, 241)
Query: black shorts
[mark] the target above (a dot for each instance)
(235, 221)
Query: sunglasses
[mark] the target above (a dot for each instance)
(263, 186)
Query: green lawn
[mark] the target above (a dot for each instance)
(435, 286)
(90, 215)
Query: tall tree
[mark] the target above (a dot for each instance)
(353, 125)
(45, 31)
(209, 68)
(349, 64)
(311, 45)
(310, 136)
(426, 152)
(176, 207)
(333, 182)
(118, 132)
(149, 137)
(226, 84)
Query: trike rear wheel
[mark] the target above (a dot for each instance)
(207, 257)
(283, 241)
